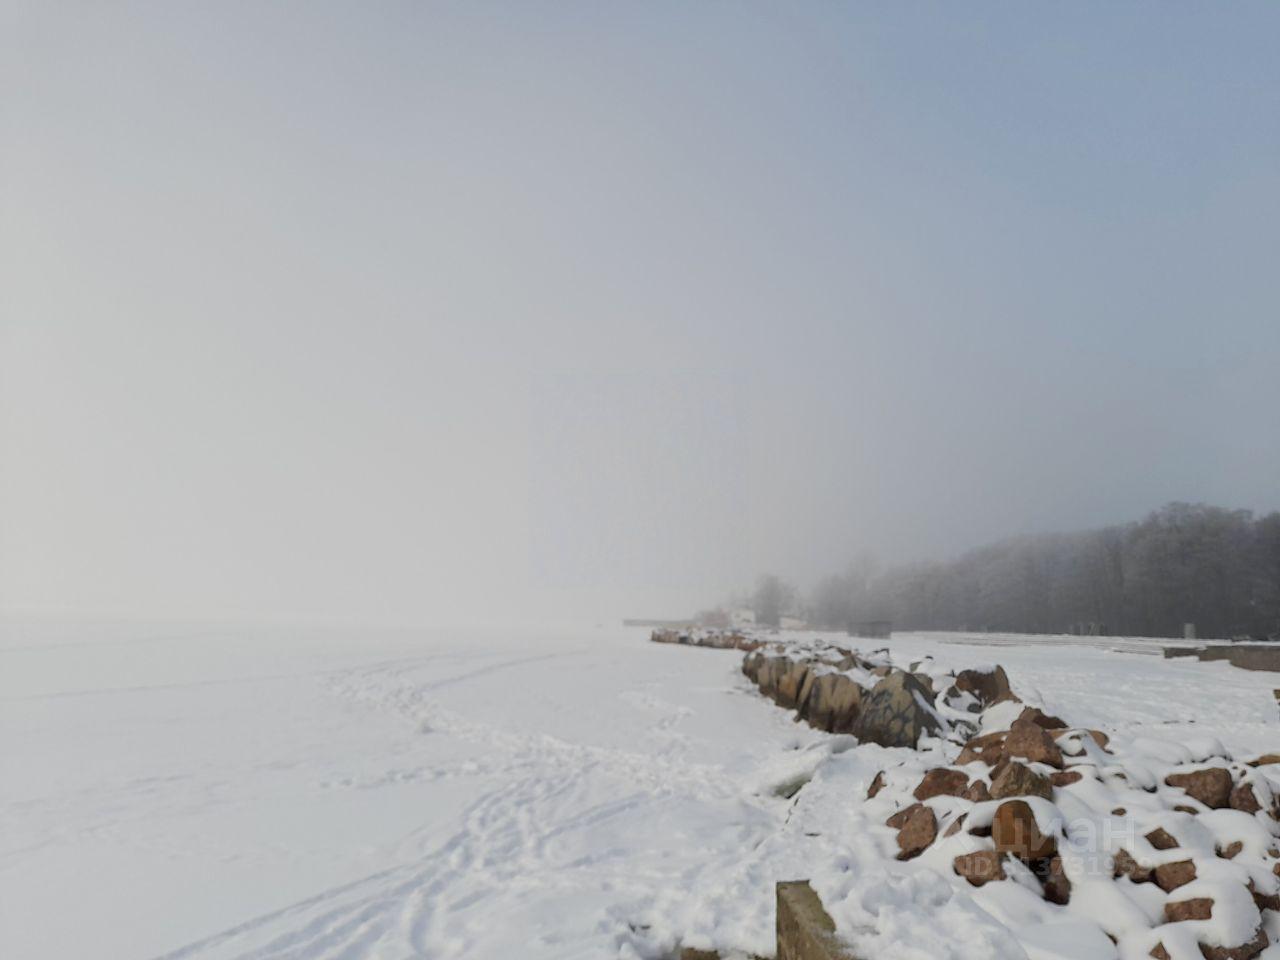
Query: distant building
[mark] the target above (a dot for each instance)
(872, 629)
(742, 617)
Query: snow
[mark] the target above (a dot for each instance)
(217, 792)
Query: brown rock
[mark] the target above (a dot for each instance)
(1041, 719)
(1245, 951)
(877, 785)
(1016, 832)
(1265, 760)
(956, 825)
(1159, 952)
(1029, 740)
(989, 748)
(1119, 812)
(1057, 888)
(1160, 839)
(1171, 876)
(987, 687)
(919, 829)
(1211, 785)
(1201, 908)
(979, 867)
(1100, 738)
(1062, 778)
(1017, 780)
(1265, 901)
(978, 792)
(1243, 798)
(1126, 866)
(941, 782)
(1230, 850)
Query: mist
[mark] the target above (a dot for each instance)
(450, 312)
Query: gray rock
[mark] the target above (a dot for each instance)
(892, 715)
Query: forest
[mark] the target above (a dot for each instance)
(1184, 563)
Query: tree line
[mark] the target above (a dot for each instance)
(1184, 563)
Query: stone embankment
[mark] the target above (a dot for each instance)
(1183, 845)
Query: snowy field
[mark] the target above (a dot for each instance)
(214, 792)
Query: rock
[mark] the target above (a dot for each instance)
(1016, 780)
(1016, 832)
(988, 687)
(1041, 719)
(770, 673)
(831, 702)
(919, 829)
(1230, 850)
(1100, 738)
(1245, 951)
(1265, 901)
(877, 784)
(1063, 778)
(787, 693)
(956, 825)
(1211, 785)
(1126, 866)
(1057, 888)
(1200, 908)
(1265, 760)
(751, 666)
(1160, 839)
(977, 792)
(1244, 799)
(941, 782)
(1171, 876)
(1030, 740)
(989, 748)
(894, 713)
(979, 867)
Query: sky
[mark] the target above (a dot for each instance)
(435, 312)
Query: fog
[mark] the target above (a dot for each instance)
(445, 312)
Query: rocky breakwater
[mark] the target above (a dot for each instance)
(1172, 851)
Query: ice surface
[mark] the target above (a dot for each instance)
(220, 792)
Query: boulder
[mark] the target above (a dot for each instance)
(792, 680)
(1210, 785)
(1030, 740)
(1064, 778)
(877, 784)
(1198, 908)
(988, 687)
(831, 702)
(1016, 832)
(1231, 850)
(941, 781)
(1245, 951)
(1171, 876)
(1265, 760)
(1041, 719)
(956, 825)
(917, 829)
(1013, 779)
(894, 714)
(1244, 799)
(989, 748)
(1126, 866)
(978, 792)
(1057, 888)
(751, 666)
(979, 867)
(1160, 839)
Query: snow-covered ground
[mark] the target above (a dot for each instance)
(221, 792)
